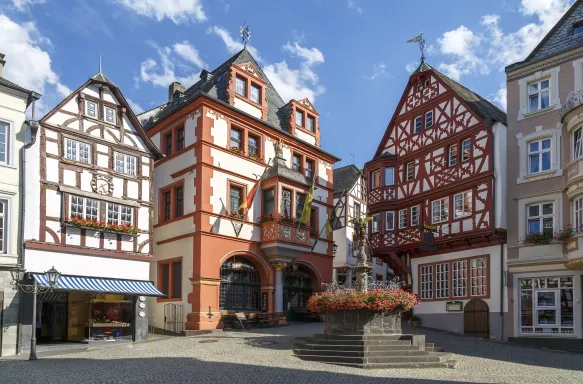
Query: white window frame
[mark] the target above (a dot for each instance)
(538, 93)
(578, 214)
(417, 124)
(241, 80)
(402, 218)
(251, 97)
(392, 173)
(466, 156)
(72, 150)
(523, 89)
(452, 158)
(113, 111)
(86, 204)
(119, 210)
(428, 118)
(442, 280)
(87, 103)
(480, 278)
(410, 171)
(459, 278)
(460, 200)
(390, 221)
(125, 163)
(541, 216)
(577, 138)
(426, 279)
(4, 225)
(8, 143)
(443, 206)
(299, 113)
(415, 213)
(375, 223)
(540, 153)
(541, 133)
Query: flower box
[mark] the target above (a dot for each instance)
(265, 218)
(565, 234)
(127, 230)
(237, 150)
(538, 238)
(237, 216)
(255, 157)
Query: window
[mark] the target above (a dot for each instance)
(441, 280)
(240, 285)
(415, 216)
(427, 282)
(375, 179)
(577, 149)
(300, 200)
(389, 176)
(541, 218)
(125, 163)
(577, 28)
(402, 218)
(235, 199)
(314, 219)
(76, 151)
(466, 150)
(578, 214)
(299, 118)
(311, 124)
(269, 202)
(440, 210)
(179, 201)
(459, 278)
(538, 95)
(462, 204)
(309, 169)
(3, 225)
(452, 155)
(539, 156)
(167, 205)
(169, 144)
(236, 138)
(83, 208)
(170, 278)
(110, 115)
(172, 203)
(255, 93)
(389, 221)
(478, 277)
(410, 171)
(286, 203)
(357, 210)
(253, 145)
(428, 119)
(417, 124)
(180, 139)
(119, 214)
(375, 223)
(241, 86)
(4, 137)
(296, 163)
(546, 305)
(91, 109)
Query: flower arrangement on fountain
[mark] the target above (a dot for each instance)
(100, 225)
(377, 300)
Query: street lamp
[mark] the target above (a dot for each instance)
(18, 274)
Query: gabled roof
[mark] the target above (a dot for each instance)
(9, 84)
(345, 178)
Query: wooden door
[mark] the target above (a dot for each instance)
(477, 319)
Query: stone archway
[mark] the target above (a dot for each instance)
(477, 319)
(240, 287)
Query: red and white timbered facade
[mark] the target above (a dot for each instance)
(437, 174)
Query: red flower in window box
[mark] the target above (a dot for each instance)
(265, 218)
(237, 215)
(238, 151)
(255, 157)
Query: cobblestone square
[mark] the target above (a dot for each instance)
(265, 356)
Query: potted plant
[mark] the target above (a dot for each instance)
(415, 321)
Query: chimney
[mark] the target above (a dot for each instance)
(173, 88)
(2, 62)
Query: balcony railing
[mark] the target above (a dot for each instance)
(574, 100)
(275, 231)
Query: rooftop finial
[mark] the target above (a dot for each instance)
(99, 63)
(421, 41)
(245, 34)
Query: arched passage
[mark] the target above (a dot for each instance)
(477, 319)
(240, 285)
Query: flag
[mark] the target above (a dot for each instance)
(307, 211)
(249, 200)
(333, 223)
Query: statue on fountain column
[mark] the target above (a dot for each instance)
(362, 268)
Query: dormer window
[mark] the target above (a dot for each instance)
(296, 163)
(91, 108)
(255, 93)
(578, 28)
(110, 115)
(299, 118)
(241, 86)
(311, 124)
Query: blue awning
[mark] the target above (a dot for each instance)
(96, 284)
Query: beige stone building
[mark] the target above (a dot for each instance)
(545, 189)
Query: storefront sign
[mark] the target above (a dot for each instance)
(454, 306)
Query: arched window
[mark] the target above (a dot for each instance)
(240, 285)
(577, 144)
(297, 287)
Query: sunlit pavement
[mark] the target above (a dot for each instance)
(265, 356)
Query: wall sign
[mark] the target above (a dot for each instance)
(454, 306)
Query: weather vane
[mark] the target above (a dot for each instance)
(419, 39)
(245, 34)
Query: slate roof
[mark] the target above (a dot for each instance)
(214, 85)
(9, 84)
(345, 178)
(477, 103)
(280, 169)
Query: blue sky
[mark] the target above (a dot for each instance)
(350, 57)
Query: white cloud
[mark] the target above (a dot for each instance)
(461, 44)
(172, 60)
(292, 83)
(27, 64)
(135, 106)
(410, 67)
(22, 5)
(500, 98)
(310, 55)
(179, 11)
(354, 6)
(232, 45)
(379, 69)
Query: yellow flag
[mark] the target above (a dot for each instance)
(367, 219)
(307, 211)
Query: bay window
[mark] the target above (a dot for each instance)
(296, 163)
(390, 221)
(286, 203)
(538, 95)
(125, 163)
(540, 218)
(375, 179)
(310, 169)
(539, 156)
(269, 202)
(389, 176)
(440, 210)
(415, 216)
(462, 204)
(83, 208)
(577, 147)
(77, 151)
(300, 200)
(578, 214)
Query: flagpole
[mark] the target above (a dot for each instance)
(328, 219)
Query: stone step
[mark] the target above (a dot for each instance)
(396, 361)
(370, 348)
(435, 349)
(432, 358)
(360, 342)
(362, 337)
(369, 354)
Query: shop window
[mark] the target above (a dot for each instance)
(452, 155)
(442, 280)
(119, 214)
(125, 163)
(415, 216)
(440, 210)
(241, 86)
(180, 139)
(76, 151)
(240, 285)
(539, 156)
(110, 115)
(462, 204)
(426, 282)
(540, 218)
(255, 93)
(389, 176)
(311, 124)
(170, 278)
(375, 179)
(83, 208)
(466, 150)
(91, 109)
(269, 202)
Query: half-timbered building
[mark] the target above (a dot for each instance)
(89, 215)
(436, 196)
(350, 202)
(220, 137)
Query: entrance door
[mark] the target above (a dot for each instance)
(173, 320)
(477, 319)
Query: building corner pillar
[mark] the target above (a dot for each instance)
(279, 267)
